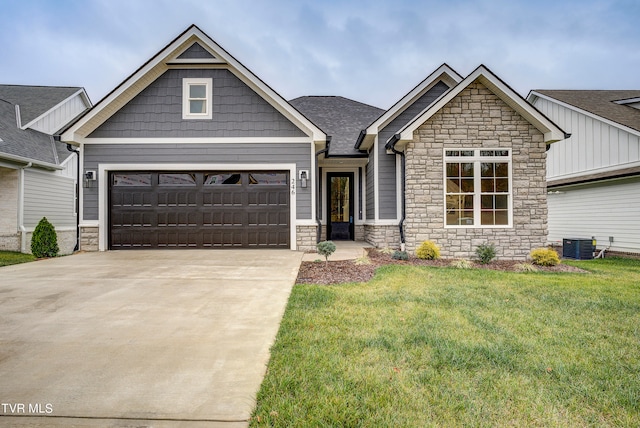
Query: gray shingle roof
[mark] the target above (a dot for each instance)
(28, 143)
(35, 100)
(339, 117)
(601, 103)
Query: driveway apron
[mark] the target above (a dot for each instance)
(171, 336)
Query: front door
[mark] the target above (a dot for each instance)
(340, 206)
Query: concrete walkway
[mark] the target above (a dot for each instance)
(345, 250)
(140, 338)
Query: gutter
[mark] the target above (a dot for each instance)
(30, 162)
(318, 193)
(77, 152)
(391, 146)
(23, 230)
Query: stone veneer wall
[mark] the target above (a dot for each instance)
(89, 238)
(9, 236)
(306, 238)
(382, 236)
(476, 118)
(66, 241)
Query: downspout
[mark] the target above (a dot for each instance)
(23, 230)
(77, 152)
(391, 145)
(318, 193)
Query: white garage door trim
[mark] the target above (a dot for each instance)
(103, 187)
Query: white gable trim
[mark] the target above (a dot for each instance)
(551, 131)
(443, 73)
(157, 65)
(533, 95)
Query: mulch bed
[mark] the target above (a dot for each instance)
(338, 272)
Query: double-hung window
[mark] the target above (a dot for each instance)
(478, 188)
(197, 94)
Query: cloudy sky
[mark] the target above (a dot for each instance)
(372, 51)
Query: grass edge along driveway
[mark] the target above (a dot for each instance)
(422, 346)
(8, 258)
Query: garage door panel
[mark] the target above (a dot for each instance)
(177, 198)
(199, 210)
(177, 219)
(220, 198)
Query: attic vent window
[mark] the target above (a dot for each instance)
(197, 98)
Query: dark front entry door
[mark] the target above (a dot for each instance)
(340, 206)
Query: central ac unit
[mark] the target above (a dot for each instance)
(577, 249)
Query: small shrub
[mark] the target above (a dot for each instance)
(44, 241)
(525, 267)
(544, 257)
(400, 255)
(485, 253)
(326, 248)
(387, 250)
(364, 260)
(428, 250)
(461, 264)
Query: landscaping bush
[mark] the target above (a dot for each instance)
(326, 248)
(428, 250)
(485, 253)
(400, 255)
(461, 264)
(544, 257)
(525, 267)
(44, 241)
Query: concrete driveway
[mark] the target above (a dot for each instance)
(140, 338)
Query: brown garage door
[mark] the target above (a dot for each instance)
(215, 209)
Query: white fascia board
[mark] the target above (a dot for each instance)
(533, 95)
(30, 162)
(444, 73)
(551, 131)
(267, 93)
(159, 64)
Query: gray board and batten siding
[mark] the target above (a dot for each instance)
(387, 163)
(198, 153)
(238, 111)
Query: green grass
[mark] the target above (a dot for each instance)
(11, 258)
(423, 346)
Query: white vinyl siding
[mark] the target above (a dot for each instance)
(60, 115)
(594, 144)
(602, 210)
(51, 196)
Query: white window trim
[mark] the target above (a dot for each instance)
(186, 82)
(476, 159)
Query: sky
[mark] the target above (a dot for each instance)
(372, 51)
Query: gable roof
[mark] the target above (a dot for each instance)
(35, 101)
(25, 145)
(341, 118)
(551, 131)
(598, 102)
(443, 73)
(172, 54)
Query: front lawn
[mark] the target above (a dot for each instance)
(11, 258)
(420, 346)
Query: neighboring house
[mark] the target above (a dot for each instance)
(37, 173)
(194, 151)
(593, 177)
